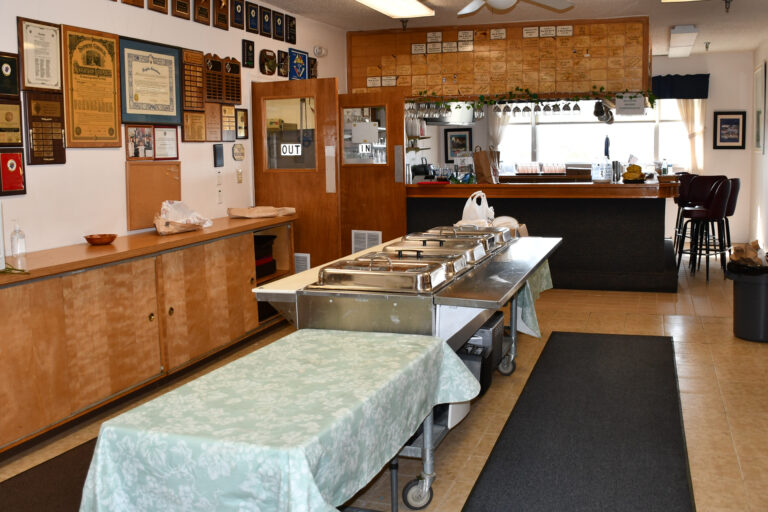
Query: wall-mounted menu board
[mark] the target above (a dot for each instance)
(549, 58)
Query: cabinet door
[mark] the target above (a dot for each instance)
(111, 330)
(34, 378)
(206, 297)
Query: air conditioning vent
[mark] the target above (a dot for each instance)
(362, 240)
(301, 261)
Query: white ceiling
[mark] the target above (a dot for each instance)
(743, 28)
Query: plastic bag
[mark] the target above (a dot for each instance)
(476, 208)
(176, 217)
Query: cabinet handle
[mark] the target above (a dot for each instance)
(151, 317)
(170, 311)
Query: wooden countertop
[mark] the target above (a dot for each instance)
(651, 190)
(76, 257)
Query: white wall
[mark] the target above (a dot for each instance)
(759, 197)
(87, 194)
(730, 89)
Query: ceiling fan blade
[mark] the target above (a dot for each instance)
(501, 5)
(471, 7)
(554, 4)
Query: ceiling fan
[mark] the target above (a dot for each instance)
(501, 5)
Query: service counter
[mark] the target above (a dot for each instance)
(613, 234)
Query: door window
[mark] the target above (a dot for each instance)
(290, 133)
(365, 135)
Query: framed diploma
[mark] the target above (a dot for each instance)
(9, 75)
(213, 122)
(13, 180)
(203, 11)
(278, 26)
(237, 14)
(166, 143)
(193, 84)
(251, 17)
(180, 8)
(241, 120)
(265, 21)
(158, 5)
(151, 82)
(44, 119)
(39, 55)
(92, 83)
(193, 129)
(227, 123)
(139, 142)
(10, 123)
(290, 29)
(137, 3)
(221, 14)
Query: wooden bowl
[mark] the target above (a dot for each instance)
(101, 239)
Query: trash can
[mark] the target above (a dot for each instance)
(750, 301)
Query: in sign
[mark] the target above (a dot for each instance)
(290, 149)
(365, 148)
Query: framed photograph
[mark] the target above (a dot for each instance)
(10, 123)
(759, 88)
(158, 5)
(13, 179)
(290, 29)
(203, 11)
(139, 142)
(251, 17)
(278, 22)
(91, 65)
(241, 118)
(39, 55)
(730, 128)
(166, 143)
(298, 64)
(456, 140)
(237, 14)
(9, 75)
(180, 8)
(221, 14)
(265, 21)
(151, 82)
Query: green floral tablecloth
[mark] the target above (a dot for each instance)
(299, 425)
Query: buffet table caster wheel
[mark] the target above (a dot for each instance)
(414, 498)
(507, 365)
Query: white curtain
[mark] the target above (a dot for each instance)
(497, 122)
(692, 114)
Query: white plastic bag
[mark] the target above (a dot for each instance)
(476, 208)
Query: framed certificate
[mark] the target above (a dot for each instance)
(180, 8)
(151, 83)
(10, 123)
(39, 55)
(241, 118)
(203, 11)
(251, 17)
(265, 21)
(166, 143)
(193, 129)
(44, 119)
(13, 180)
(237, 14)
(9, 75)
(92, 82)
(139, 142)
(158, 5)
(278, 26)
(221, 14)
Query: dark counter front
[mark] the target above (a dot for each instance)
(608, 243)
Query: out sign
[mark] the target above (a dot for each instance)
(365, 148)
(290, 149)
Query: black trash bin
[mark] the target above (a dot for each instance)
(750, 301)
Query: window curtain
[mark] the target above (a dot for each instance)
(692, 114)
(497, 123)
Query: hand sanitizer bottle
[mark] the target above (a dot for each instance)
(18, 241)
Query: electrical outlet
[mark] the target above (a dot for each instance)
(219, 177)
(239, 174)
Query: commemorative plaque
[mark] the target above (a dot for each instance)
(249, 53)
(180, 8)
(231, 78)
(214, 81)
(290, 29)
(203, 11)
(265, 21)
(193, 129)
(12, 178)
(221, 14)
(44, 118)
(10, 123)
(9, 75)
(251, 17)
(39, 55)
(241, 123)
(227, 123)
(212, 122)
(237, 14)
(282, 63)
(193, 85)
(158, 5)
(278, 22)
(136, 3)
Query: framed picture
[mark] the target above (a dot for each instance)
(166, 142)
(13, 179)
(298, 64)
(91, 65)
(158, 5)
(759, 88)
(237, 14)
(39, 55)
(10, 123)
(278, 29)
(139, 142)
(251, 17)
(151, 82)
(241, 118)
(730, 128)
(265, 17)
(180, 8)
(456, 140)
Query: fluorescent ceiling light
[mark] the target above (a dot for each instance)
(399, 8)
(681, 39)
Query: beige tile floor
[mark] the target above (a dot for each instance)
(723, 383)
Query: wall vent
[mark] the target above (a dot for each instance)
(301, 261)
(364, 239)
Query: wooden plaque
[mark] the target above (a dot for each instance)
(278, 26)
(214, 78)
(137, 3)
(158, 5)
(180, 8)
(10, 123)
(221, 14)
(248, 53)
(44, 119)
(231, 78)
(227, 123)
(193, 129)
(148, 184)
(290, 29)
(203, 11)
(237, 14)
(39, 55)
(9, 75)
(193, 83)
(265, 21)
(212, 122)
(251, 17)
(13, 179)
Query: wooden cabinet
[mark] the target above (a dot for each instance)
(206, 298)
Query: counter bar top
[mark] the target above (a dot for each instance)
(652, 190)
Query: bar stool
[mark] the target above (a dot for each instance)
(701, 219)
(698, 190)
(682, 200)
(730, 209)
